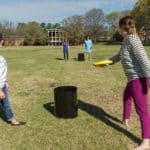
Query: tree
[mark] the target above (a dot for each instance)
(21, 29)
(112, 20)
(141, 12)
(43, 25)
(7, 29)
(94, 21)
(32, 32)
(117, 37)
(49, 26)
(74, 27)
(57, 25)
(125, 13)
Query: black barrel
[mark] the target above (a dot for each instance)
(81, 57)
(66, 105)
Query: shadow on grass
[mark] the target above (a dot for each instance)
(75, 59)
(59, 58)
(100, 114)
(50, 107)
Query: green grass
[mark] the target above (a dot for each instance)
(33, 74)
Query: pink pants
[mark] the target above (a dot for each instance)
(137, 90)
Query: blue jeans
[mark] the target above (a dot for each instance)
(6, 105)
(66, 55)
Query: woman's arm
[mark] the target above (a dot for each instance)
(68, 46)
(3, 76)
(91, 44)
(84, 44)
(140, 53)
(115, 58)
(3, 72)
(8, 86)
(2, 95)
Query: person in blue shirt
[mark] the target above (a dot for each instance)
(65, 47)
(88, 48)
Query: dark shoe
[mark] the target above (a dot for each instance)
(19, 124)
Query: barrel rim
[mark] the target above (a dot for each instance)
(66, 87)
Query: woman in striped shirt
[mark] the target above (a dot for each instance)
(137, 69)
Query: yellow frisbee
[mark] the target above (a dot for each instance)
(103, 63)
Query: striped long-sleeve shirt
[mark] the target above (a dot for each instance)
(3, 71)
(133, 57)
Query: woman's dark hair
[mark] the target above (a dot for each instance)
(65, 39)
(128, 24)
(87, 37)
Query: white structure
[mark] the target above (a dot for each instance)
(55, 37)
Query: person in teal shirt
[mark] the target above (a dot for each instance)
(88, 48)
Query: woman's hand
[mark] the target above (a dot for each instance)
(8, 86)
(105, 65)
(2, 95)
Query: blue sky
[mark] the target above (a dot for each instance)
(55, 10)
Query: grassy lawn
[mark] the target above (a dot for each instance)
(33, 74)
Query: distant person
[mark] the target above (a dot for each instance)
(1, 43)
(1, 40)
(136, 66)
(4, 94)
(65, 47)
(88, 48)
